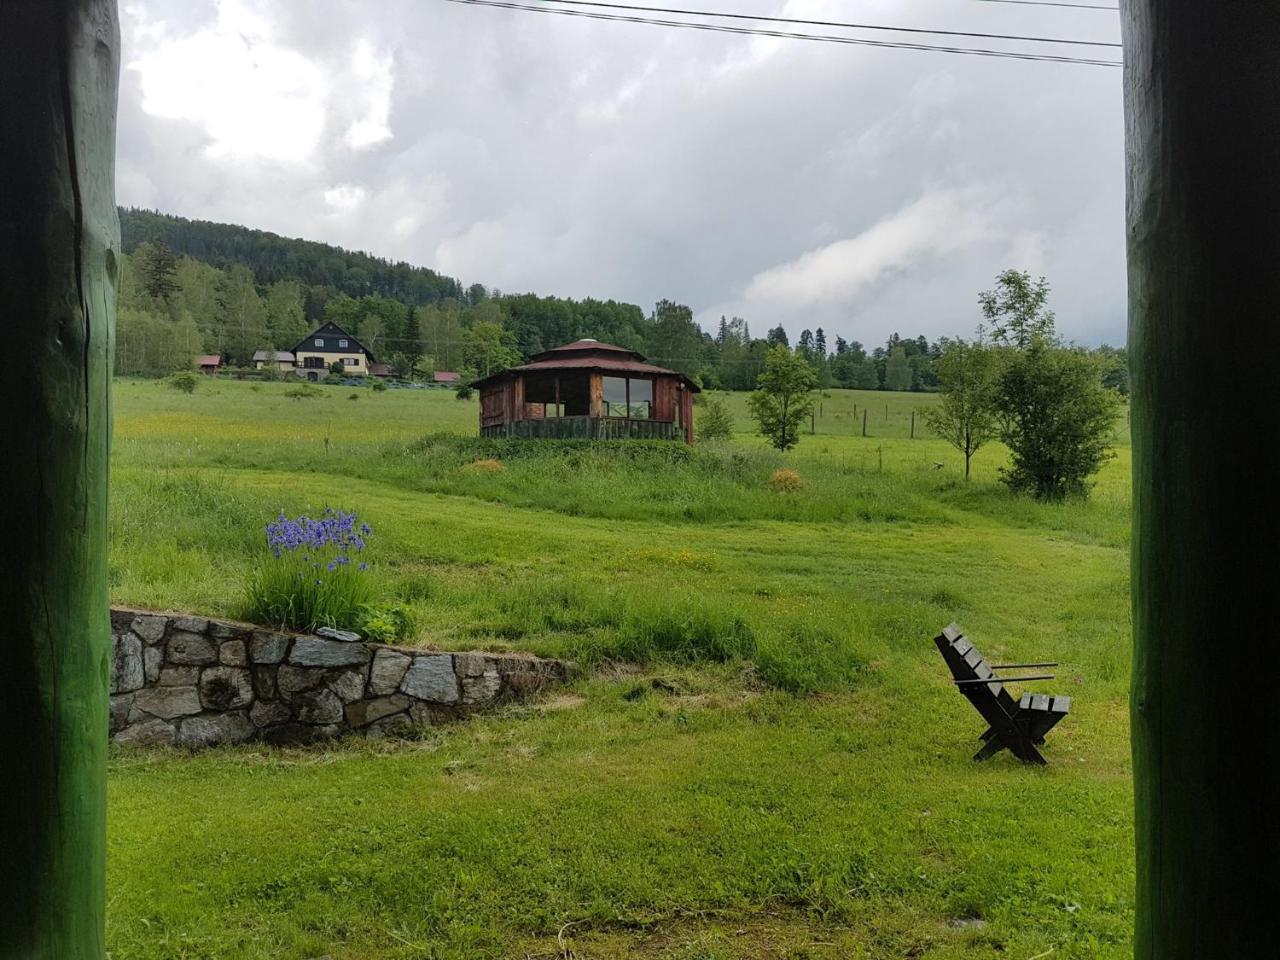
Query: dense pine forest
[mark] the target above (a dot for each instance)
(191, 287)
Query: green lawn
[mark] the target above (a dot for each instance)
(796, 785)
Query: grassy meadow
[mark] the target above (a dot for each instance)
(763, 758)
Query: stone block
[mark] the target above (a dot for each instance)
(365, 712)
(264, 683)
(152, 733)
(224, 630)
(152, 661)
(168, 703)
(226, 688)
(233, 653)
(213, 729)
(294, 680)
(348, 685)
(343, 636)
(482, 689)
(432, 714)
(269, 714)
(149, 629)
(120, 707)
(191, 624)
(389, 667)
(431, 677)
(318, 707)
(319, 652)
(171, 676)
(190, 648)
(267, 647)
(398, 725)
(127, 672)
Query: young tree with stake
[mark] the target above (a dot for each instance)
(966, 417)
(783, 398)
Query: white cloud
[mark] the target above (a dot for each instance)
(252, 97)
(372, 72)
(938, 223)
(345, 197)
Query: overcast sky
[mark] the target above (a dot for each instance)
(860, 190)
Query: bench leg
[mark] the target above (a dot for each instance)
(993, 746)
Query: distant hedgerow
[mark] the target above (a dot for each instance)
(313, 575)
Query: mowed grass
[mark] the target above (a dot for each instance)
(795, 784)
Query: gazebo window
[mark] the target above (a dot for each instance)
(628, 398)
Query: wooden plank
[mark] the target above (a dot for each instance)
(59, 255)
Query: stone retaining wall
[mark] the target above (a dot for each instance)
(198, 682)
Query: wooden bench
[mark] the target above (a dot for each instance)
(1017, 725)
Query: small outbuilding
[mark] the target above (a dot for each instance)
(587, 389)
(209, 364)
(280, 360)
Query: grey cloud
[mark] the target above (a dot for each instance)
(563, 156)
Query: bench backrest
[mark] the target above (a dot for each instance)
(967, 663)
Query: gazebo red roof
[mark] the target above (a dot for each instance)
(588, 355)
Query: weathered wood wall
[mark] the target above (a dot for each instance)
(586, 428)
(59, 242)
(1202, 87)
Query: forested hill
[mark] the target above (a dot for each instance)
(272, 257)
(190, 287)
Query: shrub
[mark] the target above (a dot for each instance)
(785, 481)
(715, 421)
(390, 624)
(377, 386)
(353, 396)
(312, 577)
(488, 466)
(304, 391)
(1058, 420)
(463, 391)
(184, 381)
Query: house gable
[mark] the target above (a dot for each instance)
(331, 341)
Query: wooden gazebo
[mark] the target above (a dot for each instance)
(591, 390)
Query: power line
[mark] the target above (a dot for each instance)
(1052, 3)
(820, 38)
(834, 23)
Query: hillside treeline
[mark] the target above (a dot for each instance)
(191, 287)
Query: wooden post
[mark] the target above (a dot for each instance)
(913, 424)
(59, 242)
(1201, 87)
(864, 421)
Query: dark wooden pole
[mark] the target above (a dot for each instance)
(1202, 91)
(59, 239)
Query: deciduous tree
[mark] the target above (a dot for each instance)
(783, 397)
(966, 416)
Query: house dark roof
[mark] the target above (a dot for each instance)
(331, 336)
(589, 355)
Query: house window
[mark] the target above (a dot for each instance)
(319, 342)
(351, 361)
(628, 398)
(312, 363)
(342, 344)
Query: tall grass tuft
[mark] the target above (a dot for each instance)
(312, 576)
